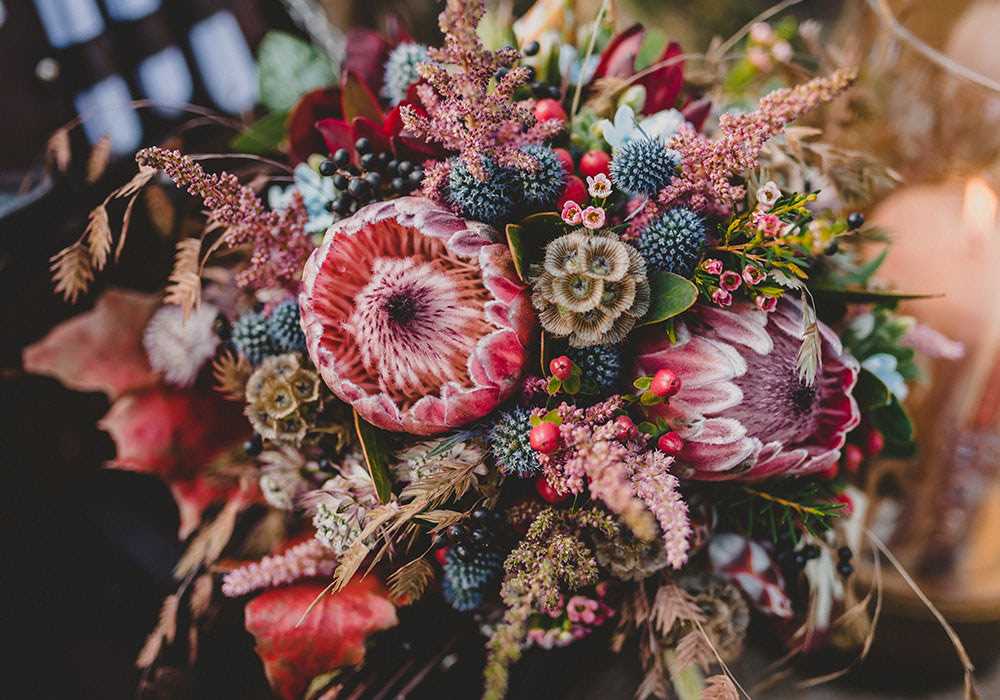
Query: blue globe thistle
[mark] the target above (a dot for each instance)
(284, 329)
(466, 583)
(673, 242)
(401, 70)
(489, 201)
(251, 339)
(601, 367)
(509, 442)
(540, 187)
(642, 166)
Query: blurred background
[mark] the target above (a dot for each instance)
(90, 551)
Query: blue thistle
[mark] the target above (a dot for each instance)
(673, 242)
(509, 441)
(466, 583)
(489, 201)
(540, 187)
(401, 70)
(601, 367)
(284, 329)
(251, 339)
(643, 166)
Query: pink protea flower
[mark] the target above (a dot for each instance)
(743, 411)
(415, 316)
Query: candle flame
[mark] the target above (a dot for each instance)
(979, 210)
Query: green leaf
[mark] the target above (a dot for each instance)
(649, 399)
(862, 296)
(572, 385)
(517, 251)
(288, 68)
(643, 383)
(534, 420)
(894, 423)
(263, 136)
(527, 240)
(670, 295)
(554, 385)
(376, 451)
(647, 428)
(862, 273)
(870, 391)
(553, 417)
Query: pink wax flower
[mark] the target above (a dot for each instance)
(769, 224)
(582, 609)
(572, 214)
(759, 58)
(782, 51)
(767, 304)
(713, 266)
(414, 345)
(753, 275)
(743, 411)
(730, 281)
(599, 186)
(722, 297)
(762, 33)
(593, 217)
(768, 195)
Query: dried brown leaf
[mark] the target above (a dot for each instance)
(137, 182)
(201, 595)
(126, 220)
(409, 581)
(72, 271)
(231, 373)
(160, 209)
(165, 630)
(350, 562)
(58, 149)
(719, 687)
(693, 648)
(100, 156)
(654, 684)
(671, 605)
(98, 237)
(185, 280)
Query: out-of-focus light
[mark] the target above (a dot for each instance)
(979, 209)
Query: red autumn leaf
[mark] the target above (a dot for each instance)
(618, 59)
(303, 138)
(332, 635)
(358, 99)
(172, 432)
(664, 84)
(194, 496)
(366, 53)
(101, 349)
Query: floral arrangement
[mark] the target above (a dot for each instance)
(542, 331)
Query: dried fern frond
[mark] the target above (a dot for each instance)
(58, 149)
(201, 595)
(159, 209)
(350, 562)
(72, 272)
(100, 156)
(98, 237)
(409, 581)
(137, 182)
(185, 279)
(231, 373)
(165, 630)
(693, 648)
(719, 687)
(653, 685)
(672, 605)
(449, 479)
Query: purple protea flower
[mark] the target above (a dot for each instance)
(415, 316)
(743, 410)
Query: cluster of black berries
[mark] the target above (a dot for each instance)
(474, 560)
(844, 567)
(379, 175)
(483, 534)
(789, 557)
(539, 90)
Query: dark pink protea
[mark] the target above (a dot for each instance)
(742, 410)
(415, 316)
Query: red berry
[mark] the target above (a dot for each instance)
(544, 437)
(549, 109)
(874, 443)
(665, 384)
(671, 443)
(549, 494)
(574, 190)
(566, 159)
(853, 457)
(441, 554)
(561, 367)
(830, 473)
(625, 428)
(594, 162)
(848, 509)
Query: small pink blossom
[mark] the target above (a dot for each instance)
(753, 275)
(730, 281)
(713, 266)
(535, 635)
(761, 32)
(571, 213)
(582, 609)
(769, 224)
(768, 195)
(759, 58)
(722, 297)
(579, 631)
(767, 304)
(782, 51)
(593, 217)
(599, 186)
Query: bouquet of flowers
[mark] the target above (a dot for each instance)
(541, 331)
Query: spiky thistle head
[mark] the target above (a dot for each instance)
(601, 367)
(541, 186)
(401, 70)
(673, 242)
(467, 581)
(643, 166)
(250, 337)
(284, 327)
(489, 200)
(509, 442)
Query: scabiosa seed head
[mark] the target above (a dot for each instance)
(177, 347)
(509, 443)
(489, 200)
(673, 242)
(284, 328)
(250, 337)
(466, 582)
(401, 70)
(642, 167)
(601, 366)
(283, 398)
(540, 187)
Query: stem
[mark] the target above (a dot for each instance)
(688, 682)
(781, 501)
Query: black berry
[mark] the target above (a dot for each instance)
(373, 179)
(398, 185)
(539, 90)
(845, 554)
(358, 189)
(501, 72)
(479, 536)
(531, 48)
(480, 515)
(327, 168)
(461, 551)
(404, 168)
(845, 569)
(342, 158)
(855, 220)
(369, 161)
(810, 551)
(455, 532)
(554, 92)
(254, 446)
(340, 181)
(363, 146)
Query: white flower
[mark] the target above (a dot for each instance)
(883, 366)
(599, 186)
(619, 132)
(768, 195)
(626, 127)
(663, 124)
(316, 192)
(177, 348)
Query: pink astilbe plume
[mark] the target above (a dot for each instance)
(308, 559)
(463, 114)
(708, 164)
(279, 248)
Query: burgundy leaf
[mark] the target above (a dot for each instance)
(664, 84)
(303, 137)
(618, 59)
(366, 54)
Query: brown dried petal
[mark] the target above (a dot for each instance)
(607, 258)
